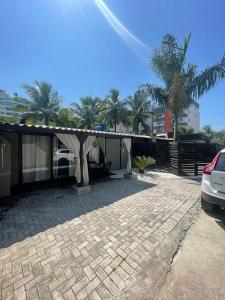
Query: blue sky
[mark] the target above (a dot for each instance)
(70, 44)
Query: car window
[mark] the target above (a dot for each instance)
(64, 151)
(221, 163)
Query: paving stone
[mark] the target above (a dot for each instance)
(92, 285)
(57, 283)
(89, 272)
(80, 285)
(116, 279)
(63, 245)
(110, 285)
(32, 294)
(20, 293)
(81, 295)
(69, 295)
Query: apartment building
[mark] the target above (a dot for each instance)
(163, 121)
(8, 104)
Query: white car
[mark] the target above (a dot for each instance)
(64, 154)
(213, 183)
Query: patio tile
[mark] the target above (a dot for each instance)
(87, 245)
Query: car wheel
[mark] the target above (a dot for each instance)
(207, 206)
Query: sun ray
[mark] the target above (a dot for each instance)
(140, 48)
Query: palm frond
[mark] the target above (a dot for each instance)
(207, 79)
(158, 94)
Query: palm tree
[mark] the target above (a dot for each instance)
(139, 112)
(65, 118)
(182, 84)
(87, 111)
(44, 102)
(115, 110)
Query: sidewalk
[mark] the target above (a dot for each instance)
(198, 270)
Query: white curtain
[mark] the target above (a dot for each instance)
(73, 144)
(42, 158)
(94, 153)
(86, 148)
(36, 158)
(29, 158)
(127, 143)
(101, 142)
(55, 158)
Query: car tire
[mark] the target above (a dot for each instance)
(207, 206)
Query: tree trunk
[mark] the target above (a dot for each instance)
(175, 127)
(115, 127)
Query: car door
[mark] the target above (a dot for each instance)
(218, 175)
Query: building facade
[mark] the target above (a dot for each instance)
(8, 105)
(163, 123)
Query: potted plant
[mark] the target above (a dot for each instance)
(142, 162)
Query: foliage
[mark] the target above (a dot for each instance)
(208, 131)
(7, 119)
(114, 110)
(44, 102)
(186, 130)
(65, 118)
(143, 162)
(182, 84)
(87, 112)
(139, 112)
(217, 137)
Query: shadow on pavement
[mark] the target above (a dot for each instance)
(38, 211)
(219, 216)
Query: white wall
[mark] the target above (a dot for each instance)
(193, 117)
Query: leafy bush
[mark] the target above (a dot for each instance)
(143, 162)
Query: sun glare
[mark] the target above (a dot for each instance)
(140, 48)
(132, 41)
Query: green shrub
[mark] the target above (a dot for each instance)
(142, 162)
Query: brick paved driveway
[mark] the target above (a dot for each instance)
(56, 244)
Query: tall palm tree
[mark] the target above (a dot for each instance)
(115, 110)
(87, 111)
(139, 112)
(182, 83)
(44, 102)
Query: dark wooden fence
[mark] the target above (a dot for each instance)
(181, 158)
(189, 158)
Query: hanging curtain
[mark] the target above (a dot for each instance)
(127, 143)
(42, 158)
(28, 158)
(86, 148)
(94, 153)
(73, 144)
(101, 142)
(56, 157)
